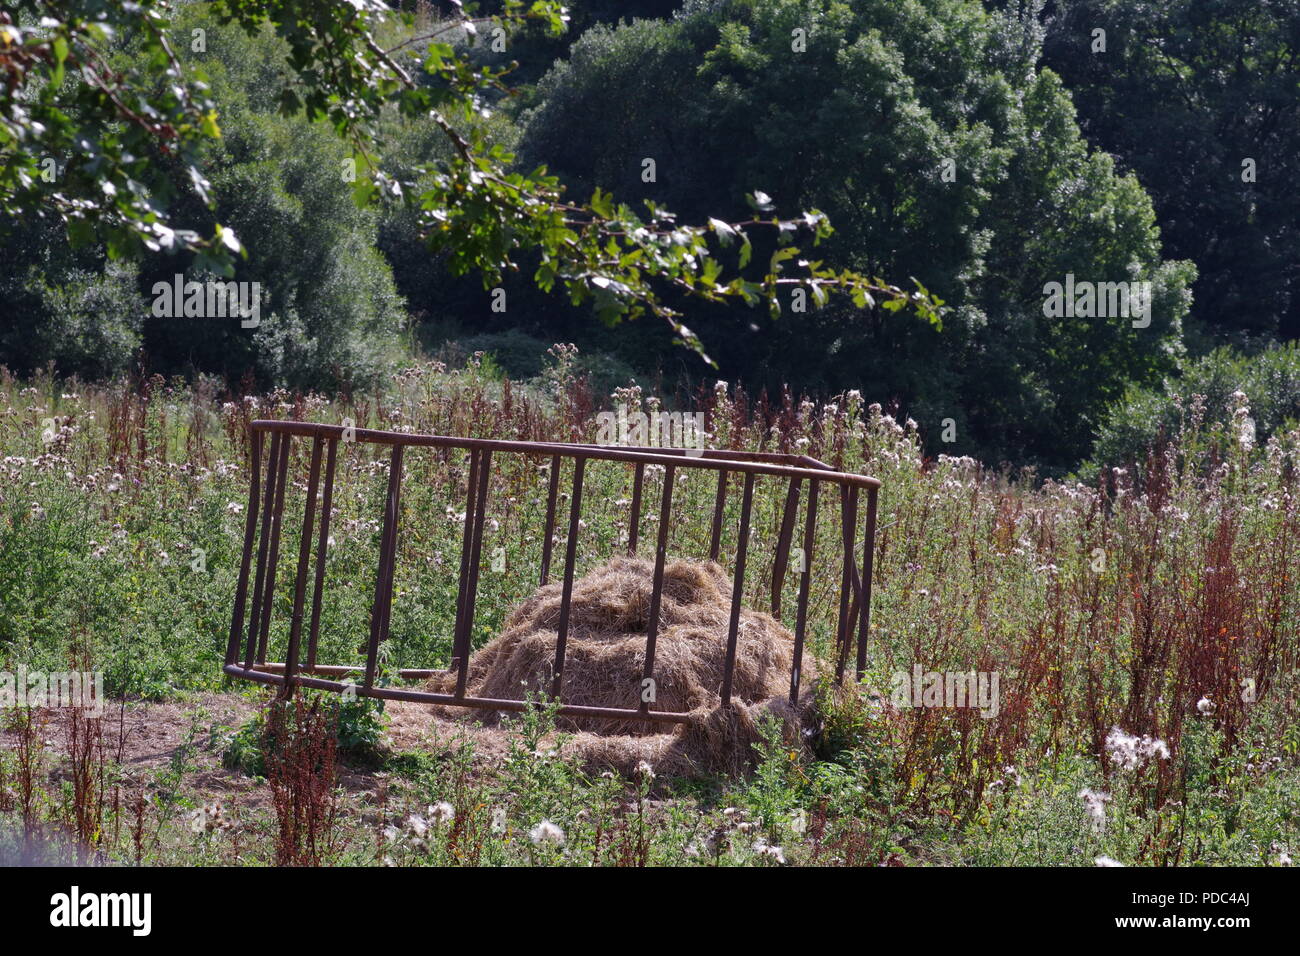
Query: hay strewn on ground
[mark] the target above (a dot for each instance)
(605, 657)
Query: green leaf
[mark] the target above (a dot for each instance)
(726, 235)
(60, 47)
(208, 125)
(363, 190)
(601, 205)
(226, 236)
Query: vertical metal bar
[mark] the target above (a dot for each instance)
(715, 539)
(843, 632)
(250, 529)
(801, 616)
(570, 558)
(656, 594)
(634, 527)
(868, 560)
(738, 588)
(263, 545)
(322, 548)
(304, 558)
(475, 558)
(547, 542)
(379, 610)
(398, 464)
(783, 545)
(273, 558)
(459, 652)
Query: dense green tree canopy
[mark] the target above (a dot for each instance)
(100, 87)
(1201, 99)
(359, 163)
(330, 313)
(66, 306)
(860, 109)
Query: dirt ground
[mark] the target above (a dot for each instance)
(144, 737)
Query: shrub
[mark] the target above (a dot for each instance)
(1269, 380)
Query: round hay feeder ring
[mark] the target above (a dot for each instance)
(679, 612)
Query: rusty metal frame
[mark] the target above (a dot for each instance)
(266, 496)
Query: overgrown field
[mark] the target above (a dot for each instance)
(1142, 630)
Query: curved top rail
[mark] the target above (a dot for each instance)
(849, 615)
(711, 460)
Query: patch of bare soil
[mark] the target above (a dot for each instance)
(146, 738)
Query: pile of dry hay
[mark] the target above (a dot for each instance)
(605, 656)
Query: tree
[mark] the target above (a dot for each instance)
(1201, 99)
(123, 126)
(1224, 402)
(929, 137)
(66, 306)
(330, 314)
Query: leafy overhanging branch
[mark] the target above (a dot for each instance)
(62, 96)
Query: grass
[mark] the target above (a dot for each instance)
(1161, 603)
